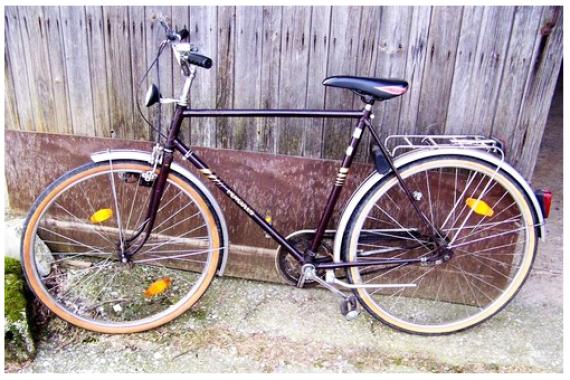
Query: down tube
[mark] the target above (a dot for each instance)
(230, 193)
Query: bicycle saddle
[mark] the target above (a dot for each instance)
(378, 88)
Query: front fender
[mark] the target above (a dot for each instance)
(417, 155)
(139, 155)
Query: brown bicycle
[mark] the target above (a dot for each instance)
(437, 239)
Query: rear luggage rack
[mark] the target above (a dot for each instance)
(398, 144)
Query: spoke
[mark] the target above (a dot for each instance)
(399, 225)
(486, 257)
(81, 221)
(481, 280)
(406, 230)
(170, 201)
(458, 200)
(465, 303)
(492, 267)
(143, 204)
(89, 254)
(493, 248)
(178, 223)
(118, 213)
(175, 257)
(170, 217)
(487, 237)
(510, 220)
(483, 193)
(132, 205)
(70, 239)
(475, 299)
(177, 237)
(490, 224)
(87, 281)
(89, 277)
(429, 198)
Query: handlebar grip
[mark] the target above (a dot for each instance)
(200, 60)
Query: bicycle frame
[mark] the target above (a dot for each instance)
(174, 144)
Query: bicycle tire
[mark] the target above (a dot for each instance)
(180, 299)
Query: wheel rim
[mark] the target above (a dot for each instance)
(479, 278)
(87, 284)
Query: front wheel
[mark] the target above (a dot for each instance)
(486, 222)
(86, 218)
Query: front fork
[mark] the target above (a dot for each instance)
(134, 244)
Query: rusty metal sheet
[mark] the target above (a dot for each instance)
(292, 189)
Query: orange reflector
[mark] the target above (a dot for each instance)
(101, 215)
(479, 207)
(158, 287)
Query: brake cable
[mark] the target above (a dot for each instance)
(158, 130)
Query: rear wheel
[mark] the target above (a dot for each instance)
(488, 225)
(85, 217)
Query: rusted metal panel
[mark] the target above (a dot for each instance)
(292, 189)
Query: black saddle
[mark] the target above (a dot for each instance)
(377, 88)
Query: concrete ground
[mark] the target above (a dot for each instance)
(249, 326)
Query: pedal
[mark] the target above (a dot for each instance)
(349, 308)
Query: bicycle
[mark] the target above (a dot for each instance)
(436, 240)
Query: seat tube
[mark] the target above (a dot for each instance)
(340, 180)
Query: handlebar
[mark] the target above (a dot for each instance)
(189, 56)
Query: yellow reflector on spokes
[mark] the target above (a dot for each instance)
(158, 287)
(101, 215)
(480, 207)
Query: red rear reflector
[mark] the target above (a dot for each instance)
(545, 201)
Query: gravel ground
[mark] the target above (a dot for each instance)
(248, 326)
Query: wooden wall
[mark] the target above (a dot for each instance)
(484, 70)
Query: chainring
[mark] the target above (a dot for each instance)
(289, 268)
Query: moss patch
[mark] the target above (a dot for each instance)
(18, 342)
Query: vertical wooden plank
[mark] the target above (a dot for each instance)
(269, 91)
(367, 63)
(98, 69)
(34, 46)
(495, 34)
(517, 64)
(225, 72)
(474, 115)
(56, 57)
(318, 58)
(154, 36)
(247, 74)
(15, 55)
(342, 61)
(139, 61)
(438, 71)
(203, 27)
(417, 52)
(180, 20)
(392, 57)
(77, 70)
(295, 37)
(461, 101)
(10, 107)
(119, 76)
(539, 88)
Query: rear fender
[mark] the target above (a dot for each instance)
(417, 155)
